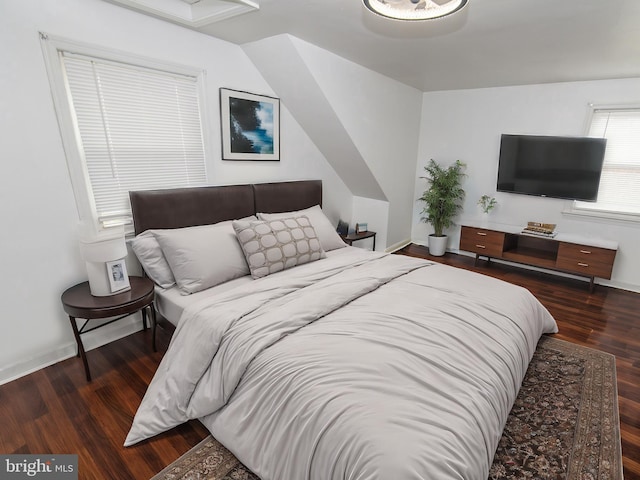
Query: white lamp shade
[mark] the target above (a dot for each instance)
(103, 250)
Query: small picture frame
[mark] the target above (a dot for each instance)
(361, 227)
(118, 278)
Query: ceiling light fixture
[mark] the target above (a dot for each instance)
(414, 9)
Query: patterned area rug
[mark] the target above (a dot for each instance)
(564, 425)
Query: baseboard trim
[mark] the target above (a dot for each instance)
(90, 341)
(397, 246)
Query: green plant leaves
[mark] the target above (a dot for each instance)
(444, 195)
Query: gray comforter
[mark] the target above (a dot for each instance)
(358, 366)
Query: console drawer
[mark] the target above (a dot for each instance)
(586, 260)
(482, 241)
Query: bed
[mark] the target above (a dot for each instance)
(354, 364)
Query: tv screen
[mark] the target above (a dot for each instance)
(557, 167)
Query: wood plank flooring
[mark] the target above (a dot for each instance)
(55, 410)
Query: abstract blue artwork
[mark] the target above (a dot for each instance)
(250, 126)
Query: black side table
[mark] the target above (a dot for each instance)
(354, 237)
(78, 302)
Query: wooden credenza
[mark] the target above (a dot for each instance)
(565, 253)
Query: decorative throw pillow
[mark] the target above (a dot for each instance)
(150, 256)
(329, 238)
(275, 245)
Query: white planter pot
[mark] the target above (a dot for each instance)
(437, 245)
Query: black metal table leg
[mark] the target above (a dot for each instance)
(81, 352)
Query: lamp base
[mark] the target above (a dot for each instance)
(99, 283)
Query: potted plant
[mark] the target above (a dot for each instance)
(487, 203)
(443, 201)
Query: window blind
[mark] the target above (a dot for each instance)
(619, 189)
(139, 129)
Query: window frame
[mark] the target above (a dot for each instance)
(52, 46)
(592, 210)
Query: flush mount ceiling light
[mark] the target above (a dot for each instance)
(414, 9)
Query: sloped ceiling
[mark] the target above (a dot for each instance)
(490, 43)
(279, 62)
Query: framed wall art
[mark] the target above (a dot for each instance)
(250, 126)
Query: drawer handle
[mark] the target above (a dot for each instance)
(583, 264)
(481, 246)
(482, 234)
(585, 251)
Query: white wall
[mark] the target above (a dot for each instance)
(364, 123)
(375, 213)
(381, 116)
(39, 240)
(467, 125)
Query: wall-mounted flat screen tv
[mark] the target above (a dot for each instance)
(548, 166)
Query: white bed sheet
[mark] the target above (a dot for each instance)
(171, 302)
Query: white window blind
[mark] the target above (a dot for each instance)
(139, 129)
(619, 189)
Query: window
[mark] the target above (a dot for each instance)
(619, 191)
(127, 124)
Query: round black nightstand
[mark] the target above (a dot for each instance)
(354, 237)
(78, 302)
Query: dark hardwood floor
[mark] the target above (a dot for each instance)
(55, 410)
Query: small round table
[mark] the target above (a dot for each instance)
(78, 302)
(354, 237)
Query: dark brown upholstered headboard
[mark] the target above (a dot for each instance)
(186, 207)
(287, 196)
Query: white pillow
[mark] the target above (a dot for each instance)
(275, 245)
(150, 256)
(204, 256)
(329, 238)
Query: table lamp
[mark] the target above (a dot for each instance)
(104, 256)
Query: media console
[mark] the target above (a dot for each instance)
(583, 256)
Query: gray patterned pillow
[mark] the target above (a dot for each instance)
(274, 245)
